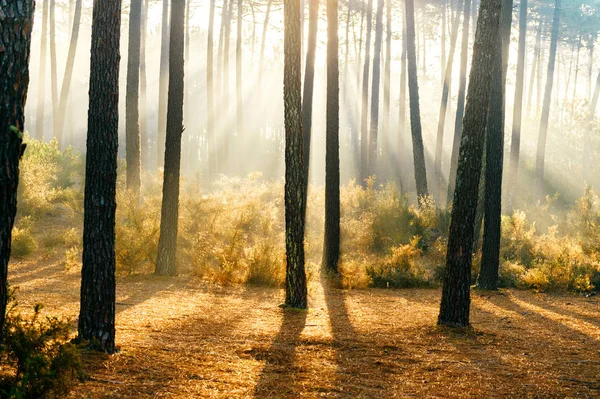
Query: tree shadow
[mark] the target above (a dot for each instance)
(279, 374)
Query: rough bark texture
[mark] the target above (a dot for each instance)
(143, 103)
(494, 160)
(169, 215)
(541, 145)
(163, 86)
(444, 105)
(210, 91)
(97, 310)
(16, 24)
(41, 100)
(331, 246)
(132, 99)
(415, 113)
(66, 83)
(515, 143)
(455, 303)
(460, 102)
(372, 160)
(295, 276)
(309, 83)
(364, 133)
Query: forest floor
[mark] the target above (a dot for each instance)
(182, 338)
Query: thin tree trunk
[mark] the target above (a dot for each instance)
(443, 57)
(98, 286)
(534, 66)
(66, 83)
(364, 133)
(53, 69)
(238, 71)
(372, 160)
(360, 44)
(15, 41)
(541, 147)
(295, 279)
(167, 243)
(163, 86)
(387, 72)
(263, 42)
(590, 67)
(331, 246)
(132, 115)
(309, 79)
(460, 102)
(455, 304)
(576, 75)
(400, 164)
(515, 144)
(447, 82)
(210, 122)
(143, 88)
(39, 126)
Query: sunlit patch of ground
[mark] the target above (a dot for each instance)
(182, 338)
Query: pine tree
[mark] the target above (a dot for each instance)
(132, 99)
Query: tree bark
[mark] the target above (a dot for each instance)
(15, 42)
(541, 147)
(331, 246)
(415, 113)
(66, 83)
(163, 86)
(169, 215)
(515, 144)
(364, 133)
(41, 100)
(210, 88)
(455, 303)
(372, 160)
(132, 100)
(447, 82)
(143, 104)
(97, 309)
(460, 102)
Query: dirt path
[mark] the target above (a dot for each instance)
(181, 338)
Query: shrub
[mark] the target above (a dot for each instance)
(23, 242)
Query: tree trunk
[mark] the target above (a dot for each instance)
(447, 83)
(541, 147)
(295, 278)
(39, 125)
(143, 87)
(66, 83)
(53, 69)
(356, 149)
(238, 71)
(364, 133)
(534, 66)
(494, 160)
(443, 57)
(372, 159)
(98, 287)
(309, 79)
(169, 215)
(226, 134)
(263, 42)
(576, 74)
(590, 66)
(400, 151)
(163, 86)
(15, 41)
(460, 102)
(387, 76)
(331, 246)
(594, 103)
(132, 115)
(515, 144)
(210, 88)
(415, 113)
(455, 304)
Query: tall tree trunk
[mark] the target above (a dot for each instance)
(375, 90)
(443, 57)
(590, 66)
(143, 87)
(210, 88)
(53, 69)
(15, 41)
(226, 134)
(66, 83)
(263, 42)
(455, 304)
(460, 102)
(98, 287)
(356, 149)
(364, 133)
(331, 246)
(534, 66)
(576, 75)
(360, 44)
(541, 147)
(494, 160)
(309, 79)
(400, 150)
(169, 215)
(415, 113)
(163, 86)
(387, 77)
(132, 115)
(238, 71)
(447, 83)
(515, 144)
(295, 276)
(39, 125)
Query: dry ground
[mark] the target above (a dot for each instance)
(182, 338)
